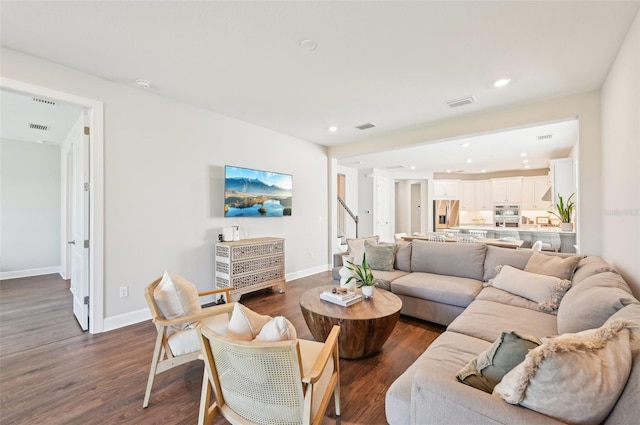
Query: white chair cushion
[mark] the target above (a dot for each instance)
(177, 297)
(245, 324)
(186, 341)
(277, 329)
(309, 351)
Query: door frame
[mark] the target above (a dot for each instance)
(95, 113)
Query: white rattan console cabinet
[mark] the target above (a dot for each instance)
(250, 264)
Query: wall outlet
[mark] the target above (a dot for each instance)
(124, 291)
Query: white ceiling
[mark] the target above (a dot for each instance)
(392, 63)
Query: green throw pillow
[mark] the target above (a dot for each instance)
(486, 371)
(380, 257)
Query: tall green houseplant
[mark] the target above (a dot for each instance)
(565, 210)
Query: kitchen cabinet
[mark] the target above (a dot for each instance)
(467, 201)
(533, 189)
(446, 189)
(507, 190)
(483, 199)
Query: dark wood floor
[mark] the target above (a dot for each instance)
(53, 373)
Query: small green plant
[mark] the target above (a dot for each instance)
(364, 275)
(565, 211)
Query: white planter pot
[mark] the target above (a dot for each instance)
(367, 291)
(567, 227)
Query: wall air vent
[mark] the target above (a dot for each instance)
(545, 137)
(395, 167)
(460, 102)
(44, 101)
(365, 126)
(38, 127)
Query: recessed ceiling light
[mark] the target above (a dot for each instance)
(469, 161)
(484, 171)
(525, 161)
(413, 167)
(523, 154)
(527, 166)
(501, 82)
(145, 84)
(465, 145)
(308, 44)
(332, 128)
(448, 171)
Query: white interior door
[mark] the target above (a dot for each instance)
(78, 202)
(383, 209)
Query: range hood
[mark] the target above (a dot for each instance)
(547, 195)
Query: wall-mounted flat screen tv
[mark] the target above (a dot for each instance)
(256, 193)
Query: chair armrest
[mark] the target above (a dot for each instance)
(217, 291)
(436, 399)
(206, 312)
(330, 345)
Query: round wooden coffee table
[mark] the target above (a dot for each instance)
(365, 326)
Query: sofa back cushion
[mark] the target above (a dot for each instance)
(453, 259)
(588, 266)
(403, 256)
(589, 304)
(497, 256)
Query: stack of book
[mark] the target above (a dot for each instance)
(344, 299)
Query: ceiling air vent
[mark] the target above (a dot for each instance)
(460, 102)
(365, 126)
(44, 101)
(38, 127)
(396, 167)
(545, 137)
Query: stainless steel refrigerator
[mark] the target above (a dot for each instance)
(446, 214)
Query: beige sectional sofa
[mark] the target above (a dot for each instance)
(445, 283)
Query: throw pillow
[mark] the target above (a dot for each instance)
(356, 248)
(245, 324)
(552, 265)
(589, 266)
(547, 291)
(380, 257)
(277, 329)
(485, 371)
(177, 297)
(593, 365)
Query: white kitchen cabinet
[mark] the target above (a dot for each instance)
(533, 189)
(507, 190)
(446, 189)
(482, 197)
(467, 201)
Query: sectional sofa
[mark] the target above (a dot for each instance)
(458, 285)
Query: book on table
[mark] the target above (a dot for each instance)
(340, 295)
(346, 301)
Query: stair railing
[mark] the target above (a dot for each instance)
(343, 211)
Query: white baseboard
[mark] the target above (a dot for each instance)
(122, 320)
(307, 272)
(30, 272)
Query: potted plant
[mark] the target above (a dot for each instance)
(363, 276)
(565, 212)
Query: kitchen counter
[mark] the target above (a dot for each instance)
(526, 233)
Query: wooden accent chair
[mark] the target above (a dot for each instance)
(176, 346)
(270, 382)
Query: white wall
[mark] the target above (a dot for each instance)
(621, 160)
(164, 183)
(29, 208)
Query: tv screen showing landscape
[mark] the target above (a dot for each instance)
(256, 193)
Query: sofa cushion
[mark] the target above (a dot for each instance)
(630, 312)
(403, 256)
(547, 291)
(588, 266)
(498, 295)
(497, 256)
(593, 364)
(380, 257)
(445, 356)
(385, 278)
(452, 259)
(487, 319)
(487, 369)
(356, 248)
(592, 302)
(552, 265)
(627, 408)
(444, 289)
